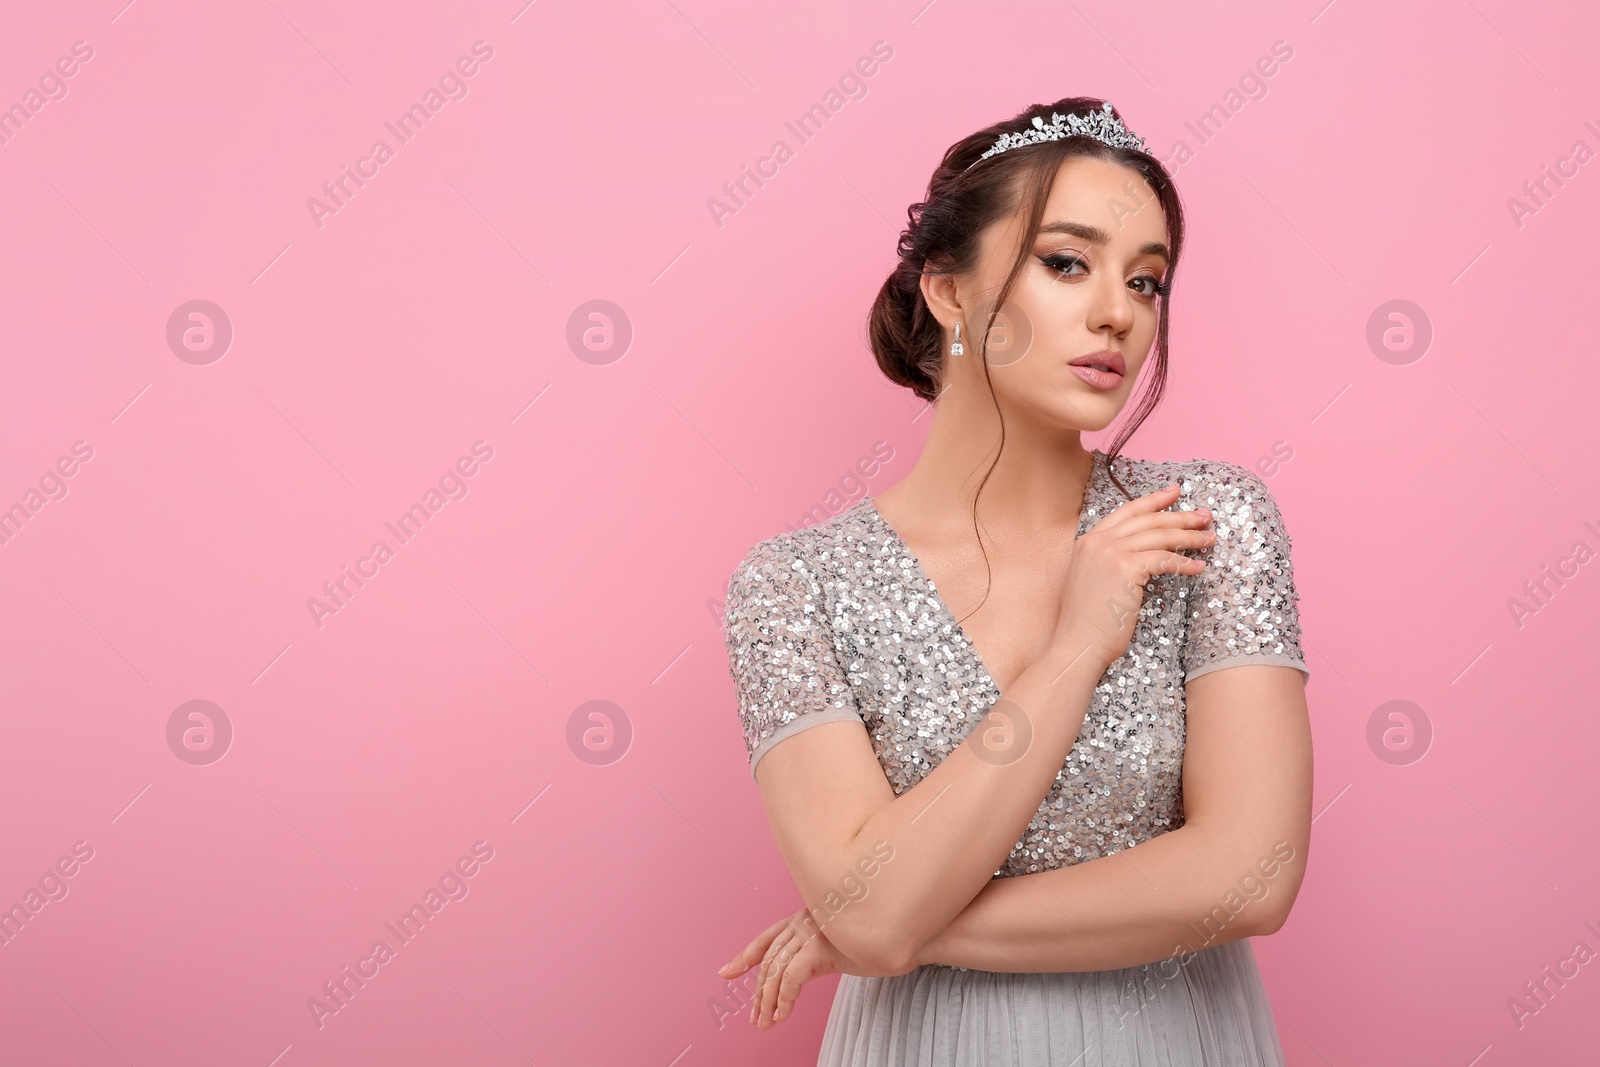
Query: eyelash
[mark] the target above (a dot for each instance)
(1060, 262)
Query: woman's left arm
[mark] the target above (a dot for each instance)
(1231, 871)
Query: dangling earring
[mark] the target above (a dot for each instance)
(956, 347)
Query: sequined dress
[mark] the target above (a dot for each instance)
(838, 622)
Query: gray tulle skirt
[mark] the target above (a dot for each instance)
(1209, 1011)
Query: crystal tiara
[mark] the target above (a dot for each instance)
(1102, 125)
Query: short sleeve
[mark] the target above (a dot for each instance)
(781, 653)
(1243, 608)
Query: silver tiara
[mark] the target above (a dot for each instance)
(1102, 125)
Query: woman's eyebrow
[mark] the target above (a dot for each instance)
(1095, 235)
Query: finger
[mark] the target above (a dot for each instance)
(769, 988)
(1141, 505)
(753, 951)
(763, 967)
(1162, 562)
(808, 964)
(764, 963)
(1168, 539)
(767, 965)
(800, 970)
(1144, 566)
(783, 936)
(782, 961)
(1192, 518)
(771, 969)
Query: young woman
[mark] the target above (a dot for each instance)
(1030, 725)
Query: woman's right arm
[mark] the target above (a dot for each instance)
(830, 805)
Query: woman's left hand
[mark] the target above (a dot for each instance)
(791, 952)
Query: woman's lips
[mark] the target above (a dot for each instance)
(1100, 379)
(1103, 369)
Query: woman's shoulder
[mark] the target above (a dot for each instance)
(1245, 511)
(1233, 489)
(806, 550)
(1202, 482)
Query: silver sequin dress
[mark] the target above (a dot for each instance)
(838, 622)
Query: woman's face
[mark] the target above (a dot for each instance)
(1088, 289)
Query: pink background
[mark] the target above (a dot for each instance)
(588, 557)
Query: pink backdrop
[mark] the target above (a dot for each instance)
(201, 487)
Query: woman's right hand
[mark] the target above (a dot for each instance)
(1104, 586)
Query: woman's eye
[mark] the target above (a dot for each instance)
(1070, 266)
(1064, 264)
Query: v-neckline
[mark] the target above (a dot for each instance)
(936, 598)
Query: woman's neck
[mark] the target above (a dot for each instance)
(1037, 484)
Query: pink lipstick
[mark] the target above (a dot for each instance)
(1103, 369)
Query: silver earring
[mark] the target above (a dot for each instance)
(956, 347)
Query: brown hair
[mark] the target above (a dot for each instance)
(943, 238)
